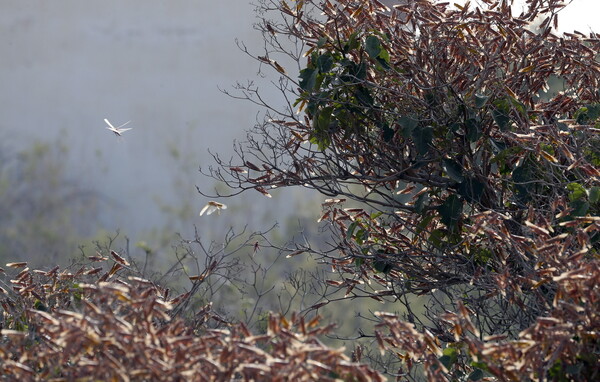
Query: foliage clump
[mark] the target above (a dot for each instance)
(458, 145)
(94, 324)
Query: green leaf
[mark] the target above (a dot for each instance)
(473, 129)
(375, 215)
(498, 146)
(373, 46)
(356, 71)
(449, 357)
(453, 169)
(361, 236)
(580, 207)
(352, 44)
(382, 266)
(480, 365)
(388, 134)
(450, 211)
(576, 191)
(385, 56)
(475, 375)
(500, 113)
(40, 306)
(436, 238)
(587, 114)
(522, 177)
(308, 79)
(358, 262)
(423, 138)
(421, 202)
(480, 100)
(407, 125)
(383, 62)
(321, 42)
(351, 229)
(363, 95)
(594, 194)
(323, 119)
(325, 63)
(471, 190)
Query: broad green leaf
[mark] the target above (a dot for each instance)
(450, 211)
(587, 114)
(436, 238)
(358, 262)
(375, 215)
(364, 96)
(421, 202)
(361, 236)
(320, 139)
(308, 79)
(576, 191)
(351, 229)
(453, 169)
(473, 129)
(475, 375)
(355, 72)
(594, 194)
(449, 357)
(388, 134)
(353, 43)
(479, 365)
(523, 176)
(321, 42)
(498, 145)
(384, 64)
(480, 100)
(373, 46)
(385, 56)
(382, 266)
(407, 125)
(500, 113)
(325, 63)
(580, 207)
(323, 119)
(423, 138)
(519, 106)
(472, 190)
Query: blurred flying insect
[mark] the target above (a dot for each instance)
(117, 130)
(211, 207)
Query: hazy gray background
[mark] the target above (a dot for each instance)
(66, 65)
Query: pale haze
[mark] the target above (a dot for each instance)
(69, 64)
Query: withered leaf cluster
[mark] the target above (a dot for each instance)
(59, 325)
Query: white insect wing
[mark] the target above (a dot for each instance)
(117, 130)
(211, 207)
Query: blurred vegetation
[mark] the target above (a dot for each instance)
(45, 212)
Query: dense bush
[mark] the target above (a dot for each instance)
(454, 171)
(99, 324)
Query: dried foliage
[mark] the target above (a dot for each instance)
(65, 326)
(477, 184)
(453, 171)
